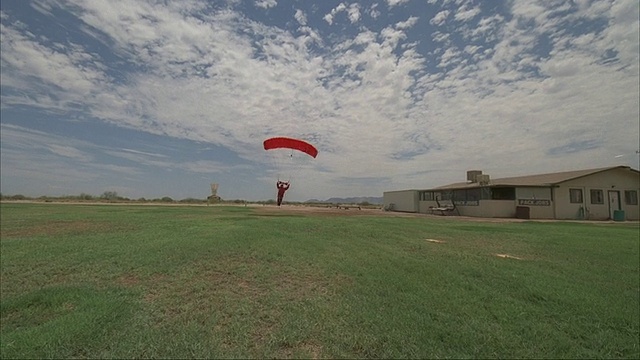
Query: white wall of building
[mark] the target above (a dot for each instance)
(614, 181)
(402, 200)
(538, 200)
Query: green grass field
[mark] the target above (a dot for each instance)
(237, 282)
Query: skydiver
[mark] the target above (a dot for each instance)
(282, 187)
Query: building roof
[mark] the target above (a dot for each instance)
(535, 180)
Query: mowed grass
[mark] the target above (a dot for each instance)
(235, 282)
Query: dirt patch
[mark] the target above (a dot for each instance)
(231, 285)
(61, 227)
(298, 286)
(313, 349)
(305, 350)
(128, 280)
(436, 241)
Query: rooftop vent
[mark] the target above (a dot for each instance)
(473, 174)
(482, 179)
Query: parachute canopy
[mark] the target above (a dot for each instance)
(289, 143)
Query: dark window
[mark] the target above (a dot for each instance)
(426, 196)
(597, 196)
(631, 197)
(446, 195)
(485, 193)
(473, 194)
(506, 193)
(459, 195)
(466, 194)
(575, 196)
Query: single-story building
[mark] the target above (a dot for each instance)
(592, 194)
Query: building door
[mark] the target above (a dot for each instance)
(614, 202)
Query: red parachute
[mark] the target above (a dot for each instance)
(289, 143)
(289, 156)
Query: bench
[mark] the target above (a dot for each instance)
(447, 207)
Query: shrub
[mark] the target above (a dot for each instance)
(109, 195)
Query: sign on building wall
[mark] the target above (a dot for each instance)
(467, 203)
(534, 202)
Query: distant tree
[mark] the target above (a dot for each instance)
(109, 195)
(84, 196)
(191, 200)
(166, 199)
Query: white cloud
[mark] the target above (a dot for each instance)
(407, 24)
(623, 34)
(65, 67)
(265, 4)
(62, 162)
(439, 18)
(472, 49)
(338, 9)
(373, 11)
(164, 162)
(464, 14)
(440, 37)
(393, 3)
(354, 12)
(328, 18)
(68, 151)
(449, 56)
(301, 17)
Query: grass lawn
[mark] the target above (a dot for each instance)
(235, 282)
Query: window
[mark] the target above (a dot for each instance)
(466, 195)
(575, 196)
(473, 194)
(597, 196)
(446, 195)
(427, 196)
(485, 193)
(459, 195)
(506, 193)
(631, 197)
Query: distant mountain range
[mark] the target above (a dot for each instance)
(350, 200)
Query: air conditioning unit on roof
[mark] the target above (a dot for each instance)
(473, 174)
(483, 179)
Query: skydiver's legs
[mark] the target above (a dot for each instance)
(279, 200)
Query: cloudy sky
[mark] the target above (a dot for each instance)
(156, 98)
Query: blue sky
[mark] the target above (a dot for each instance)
(155, 98)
